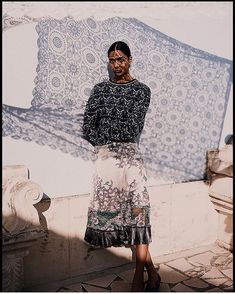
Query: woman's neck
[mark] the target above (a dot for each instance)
(123, 79)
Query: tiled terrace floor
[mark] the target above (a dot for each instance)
(205, 269)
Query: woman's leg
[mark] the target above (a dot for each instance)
(138, 279)
(152, 274)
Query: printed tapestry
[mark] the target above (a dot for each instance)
(190, 90)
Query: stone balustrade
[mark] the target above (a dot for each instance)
(20, 223)
(220, 175)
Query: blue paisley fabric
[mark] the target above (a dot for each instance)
(116, 112)
(189, 93)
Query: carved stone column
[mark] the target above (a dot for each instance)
(20, 223)
(223, 204)
(220, 174)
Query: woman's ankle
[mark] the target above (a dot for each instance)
(137, 285)
(138, 275)
(152, 273)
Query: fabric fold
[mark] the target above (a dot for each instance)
(126, 236)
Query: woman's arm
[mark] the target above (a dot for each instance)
(90, 117)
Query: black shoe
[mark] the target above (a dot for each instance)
(155, 289)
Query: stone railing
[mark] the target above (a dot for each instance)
(20, 223)
(220, 176)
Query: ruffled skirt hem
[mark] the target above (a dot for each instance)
(128, 236)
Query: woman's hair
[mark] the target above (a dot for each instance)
(122, 46)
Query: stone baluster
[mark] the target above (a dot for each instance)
(220, 174)
(20, 223)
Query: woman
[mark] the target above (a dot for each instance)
(119, 213)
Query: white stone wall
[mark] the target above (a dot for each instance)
(204, 25)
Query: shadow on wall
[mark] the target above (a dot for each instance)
(55, 258)
(190, 90)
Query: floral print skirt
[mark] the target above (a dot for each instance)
(119, 210)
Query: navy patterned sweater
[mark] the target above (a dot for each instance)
(115, 112)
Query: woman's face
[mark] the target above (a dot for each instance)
(119, 63)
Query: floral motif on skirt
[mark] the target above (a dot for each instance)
(119, 210)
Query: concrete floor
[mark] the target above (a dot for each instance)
(204, 269)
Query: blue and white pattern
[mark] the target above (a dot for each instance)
(115, 112)
(190, 90)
